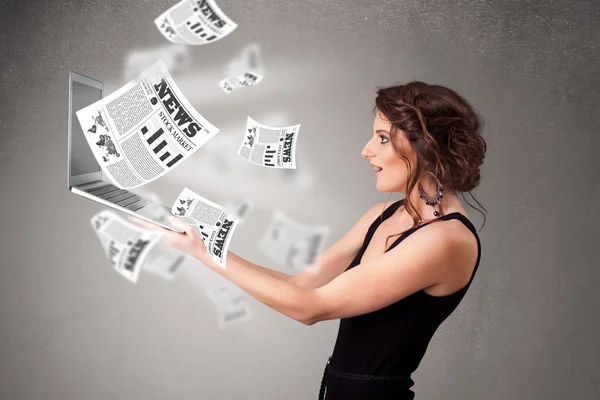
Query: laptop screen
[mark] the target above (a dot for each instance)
(82, 158)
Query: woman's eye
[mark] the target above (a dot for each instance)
(384, 139)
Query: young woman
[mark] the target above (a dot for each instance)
(390, 298)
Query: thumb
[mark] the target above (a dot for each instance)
(179, 224)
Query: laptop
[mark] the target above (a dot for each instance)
(85, 177)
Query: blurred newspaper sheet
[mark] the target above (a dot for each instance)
(239, 207)
(292, 244)
(144, 129)
(231, 302)
(248, 59)
(176, 57)
(164, 261)
(234, 83)
(125, 244)
(194, 22)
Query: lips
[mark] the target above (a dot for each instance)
(377, 169)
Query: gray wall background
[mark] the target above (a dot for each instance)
(71, 328)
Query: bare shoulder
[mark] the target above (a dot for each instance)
(366, 220)
(462, 236)
(453, 233)
(360, 228)
(377, 210)
(460, 249)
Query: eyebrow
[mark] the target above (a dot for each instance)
(382, 131)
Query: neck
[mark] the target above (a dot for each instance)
(446, 206)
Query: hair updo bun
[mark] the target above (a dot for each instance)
(442, 128)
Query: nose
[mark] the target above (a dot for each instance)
(367, 151)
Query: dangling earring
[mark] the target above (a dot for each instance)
(435, 200)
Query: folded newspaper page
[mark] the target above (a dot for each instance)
(144, 129)
(292, 244)
(194, 22)
(232, 304)
(234, 83)
(126, 245)
(269, 146)
(214, 224)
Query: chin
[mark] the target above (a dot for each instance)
(381, 187)
(384, 188)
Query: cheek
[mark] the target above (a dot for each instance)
(396, 173)
(397, 165)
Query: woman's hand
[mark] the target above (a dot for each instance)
(189, 242)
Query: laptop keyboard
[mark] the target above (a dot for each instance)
(120, 197)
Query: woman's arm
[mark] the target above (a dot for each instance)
(281, 295)
(276, 274)
(334, 260)
(429, 256)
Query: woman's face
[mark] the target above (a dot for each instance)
(392, 171)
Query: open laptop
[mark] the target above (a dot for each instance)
(85, 177)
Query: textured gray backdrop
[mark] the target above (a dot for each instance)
(71, 328)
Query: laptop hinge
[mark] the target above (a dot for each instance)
(87, 184)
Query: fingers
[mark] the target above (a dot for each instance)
(179, 224)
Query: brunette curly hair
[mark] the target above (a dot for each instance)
(444, 131)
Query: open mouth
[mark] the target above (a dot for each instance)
(377, 169)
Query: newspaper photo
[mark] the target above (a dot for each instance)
(234, 83)
(126, 245)
(292, 244)
(269, 146)
(194, 22)
(144, 129)
(232, 304)
(214, 224)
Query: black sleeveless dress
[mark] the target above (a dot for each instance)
(375, 353)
